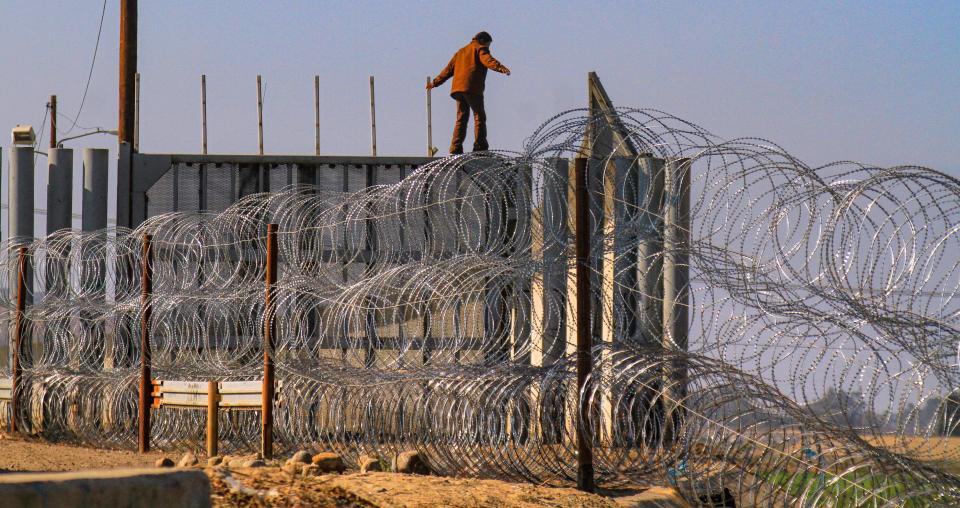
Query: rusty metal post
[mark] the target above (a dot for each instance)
(203, 114)
(316, 113)
(259, 115)
(266, 421)
(373, 121)
(584, 329)
(213, 421)
(17, 342)
(146, 305)
(429, 122)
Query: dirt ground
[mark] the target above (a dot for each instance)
(272, 487)
(269, 486)
(24, 454)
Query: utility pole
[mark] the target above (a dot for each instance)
(128, 69)
(53, 121)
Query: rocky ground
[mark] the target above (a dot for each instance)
(321, 480)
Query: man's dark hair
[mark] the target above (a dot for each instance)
(483, 38)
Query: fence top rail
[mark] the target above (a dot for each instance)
(295, 159)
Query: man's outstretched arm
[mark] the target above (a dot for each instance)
(492, 63)
(444, 75)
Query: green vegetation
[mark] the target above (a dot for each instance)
(854, 489)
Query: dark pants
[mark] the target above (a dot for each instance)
(465, 103)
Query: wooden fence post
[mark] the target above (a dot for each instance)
(213, 422)
(17, 343)
(584, 332)
(266, 437)
(146, 387)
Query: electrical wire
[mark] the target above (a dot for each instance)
(93, 61)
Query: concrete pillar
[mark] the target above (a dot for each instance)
(60, 189)
(21, 194)
(20, 213)
(94, 189)
(95, 219)
(59, 216)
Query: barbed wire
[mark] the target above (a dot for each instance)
(437, 314)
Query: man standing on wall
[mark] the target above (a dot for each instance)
(468, 67)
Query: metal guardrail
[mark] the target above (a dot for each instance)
(197, 394)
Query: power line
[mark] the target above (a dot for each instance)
(39, 139)
(90, 72)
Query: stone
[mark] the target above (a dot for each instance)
(655, 497)
(293, 467)
(188, 460)
(163, 462)
(239, 460)
(254, 463)
(329, 462)
(411, 462)
(369, 464)
(216, 460)
(301, 456)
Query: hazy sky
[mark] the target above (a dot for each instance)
(877, 82)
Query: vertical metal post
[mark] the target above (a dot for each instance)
(128, 69)
(373, 121)
(316, 113)
(584, 328)
(136, 113)
(266, 414)
(59, 189)
(259, 115)
(53, 122)
(676, 287)
(203, 114)
(17, 342)
(146, 307)
(429, 122)
(213, 422)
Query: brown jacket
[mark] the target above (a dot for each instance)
(469, 69)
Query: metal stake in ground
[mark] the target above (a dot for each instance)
(17, 368)
(266, 414)
(213, 421)
(146, 388)
(584, 337)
